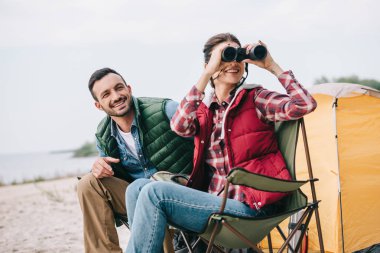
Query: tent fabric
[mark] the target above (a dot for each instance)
(344, 139)
(338, 90)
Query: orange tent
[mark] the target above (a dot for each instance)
(344, 140)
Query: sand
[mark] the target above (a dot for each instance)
(43, 217)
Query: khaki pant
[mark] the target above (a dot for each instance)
(99, 200)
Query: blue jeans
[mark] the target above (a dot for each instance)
(154, 204)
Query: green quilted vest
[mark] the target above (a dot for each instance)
(166, 150)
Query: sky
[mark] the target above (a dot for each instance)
(49, 49)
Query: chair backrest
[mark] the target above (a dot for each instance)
(287, 137)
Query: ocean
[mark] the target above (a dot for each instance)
(20, 167)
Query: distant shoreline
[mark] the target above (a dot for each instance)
(39, 179)
(62, 151)
(37, 167)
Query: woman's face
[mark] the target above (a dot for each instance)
(229, 72)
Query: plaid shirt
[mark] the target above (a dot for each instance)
(270, 106)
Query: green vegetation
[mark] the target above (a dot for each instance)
(87, 149)
(24, 181)
(350, 79)
(39, 179)
(51, 195)
(28, 181)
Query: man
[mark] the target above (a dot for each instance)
(134, 141)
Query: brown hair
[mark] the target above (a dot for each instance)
(215, 40)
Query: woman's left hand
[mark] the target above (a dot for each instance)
(267, 63)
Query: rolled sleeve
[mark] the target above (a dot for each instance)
(183, 121)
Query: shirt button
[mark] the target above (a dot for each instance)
(229, 130)
(259, 203)
(140, 155)
(202, 141)
(197, 103)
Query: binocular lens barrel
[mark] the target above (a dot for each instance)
(229, 54)
(238, 54)
(259, 52)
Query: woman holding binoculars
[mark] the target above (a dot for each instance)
(232, 126)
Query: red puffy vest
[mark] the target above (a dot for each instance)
(250, 143)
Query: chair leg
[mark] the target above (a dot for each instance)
(284, 238)
(188, 245)
(313, 192)
(303, 231)
(307, 212)
(168, 241)
(270, 243)
(212, 238)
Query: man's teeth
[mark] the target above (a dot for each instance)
(120, 103)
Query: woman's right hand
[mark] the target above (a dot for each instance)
(213, 64)
(211, 67)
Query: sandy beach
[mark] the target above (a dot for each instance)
(43, 217)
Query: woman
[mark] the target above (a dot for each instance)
(233, 126)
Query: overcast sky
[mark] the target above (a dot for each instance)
(48, 50)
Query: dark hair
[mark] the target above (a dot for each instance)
(215, 40)
(98, 75)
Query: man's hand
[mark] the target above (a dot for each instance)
(102, 168)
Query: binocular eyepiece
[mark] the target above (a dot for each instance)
(239, 54)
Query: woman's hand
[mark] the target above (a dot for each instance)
(211, 67)
(213, 64)
(267, 63)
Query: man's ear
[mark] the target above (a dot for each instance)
(129, 87)
(97, 104)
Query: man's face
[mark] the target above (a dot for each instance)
(114, 96)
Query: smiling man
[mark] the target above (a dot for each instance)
(134, 141)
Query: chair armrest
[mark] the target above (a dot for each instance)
(240, 176)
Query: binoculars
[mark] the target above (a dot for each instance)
(238, 54)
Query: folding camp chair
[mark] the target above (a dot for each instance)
(226, 231)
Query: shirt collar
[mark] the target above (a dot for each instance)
(215, 102)
(209, 95)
